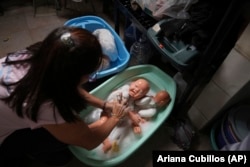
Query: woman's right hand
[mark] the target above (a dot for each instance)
(119, 109)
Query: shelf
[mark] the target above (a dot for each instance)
(141, 20)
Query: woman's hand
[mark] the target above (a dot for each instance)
(119, 109)
(119, 98)
(108, 107)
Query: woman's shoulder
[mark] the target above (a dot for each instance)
(48, 114)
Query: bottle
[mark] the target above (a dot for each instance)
(140, 52)
(130, 35)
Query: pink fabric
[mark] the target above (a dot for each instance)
(9, 121)
(12, 73)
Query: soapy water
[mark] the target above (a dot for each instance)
(122, 136)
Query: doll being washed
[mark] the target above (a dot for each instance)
(141, 108)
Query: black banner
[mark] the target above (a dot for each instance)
(201, 158)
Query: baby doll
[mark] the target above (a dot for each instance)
(127, 93)
(131, 92)
(147, 107)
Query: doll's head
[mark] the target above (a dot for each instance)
(162, 98)
(138, 88)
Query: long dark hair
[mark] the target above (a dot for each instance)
(56, 68)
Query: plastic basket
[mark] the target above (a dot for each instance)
(92, 23)
(179, 54)
(159, 80)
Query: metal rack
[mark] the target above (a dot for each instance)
(141, 19)
(223, 38)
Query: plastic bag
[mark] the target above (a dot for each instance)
(162, 8)
(183, 133)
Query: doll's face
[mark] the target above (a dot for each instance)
(138, 88)
(161, 98)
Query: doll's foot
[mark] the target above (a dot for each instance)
(107, 145)
(137, 129)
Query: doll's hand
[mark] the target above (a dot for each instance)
(135, 118)
(137, 129)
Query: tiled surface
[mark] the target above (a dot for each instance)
(226, 86)
(211, 100)
(233, 73)
(243, 45)
(229, 79)
(19, 28)
(197, 117)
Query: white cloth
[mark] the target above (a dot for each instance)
(107, 42)
(244, 145)
(124, 91)
(146, 107)
(123, 129)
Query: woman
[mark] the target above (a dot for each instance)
(41, 92)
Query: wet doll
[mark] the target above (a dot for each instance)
(128, 94)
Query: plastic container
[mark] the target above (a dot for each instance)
(157, 79)
(131, 35)
(140, 52)
(223, 138)
(229, 133)
(179, 54)
(92, 23)
(233, 128)
(239, 120)
(213, 136)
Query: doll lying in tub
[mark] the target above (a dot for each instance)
(142, 108)
(146, 108)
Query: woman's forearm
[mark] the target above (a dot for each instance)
(91, 99)
(80, 134)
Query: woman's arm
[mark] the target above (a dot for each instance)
(95, 101)
(91, 99)
(80, 134)
(88, 137)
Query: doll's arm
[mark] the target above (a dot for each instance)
(136, 120)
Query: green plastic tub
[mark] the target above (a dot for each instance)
(158, 81)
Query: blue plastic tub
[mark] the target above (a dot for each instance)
(92, 23)
(158, 80)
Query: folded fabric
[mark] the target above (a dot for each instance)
(107, 42)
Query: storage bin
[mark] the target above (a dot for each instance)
(92, 23)
(233, 128)
(179, 54)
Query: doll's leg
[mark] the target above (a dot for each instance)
(107, 145)
(100, 122)
(136, 120)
